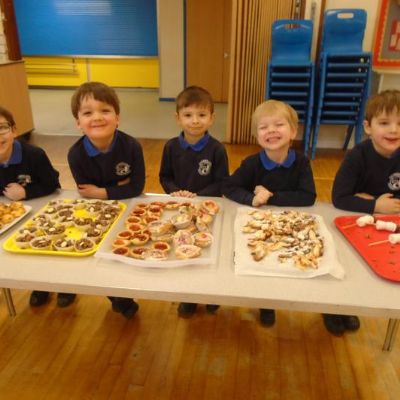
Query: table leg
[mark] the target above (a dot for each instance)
(9, 302)
(391, 331)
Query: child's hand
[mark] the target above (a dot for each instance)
(183, 193)
(365, 196)
(14, 191)
(262, 196)
(258, 189)
(124, 182)
(387, 204)
(92, 191)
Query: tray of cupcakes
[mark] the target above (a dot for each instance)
(166, 232)
(11, 213)
(66, 228)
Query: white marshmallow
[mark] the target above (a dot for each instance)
(365, 220)
(394, 238)
(385, 226)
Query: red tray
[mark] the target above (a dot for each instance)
(384, 259)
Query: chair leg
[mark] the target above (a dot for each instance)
(314, 140)
(391, 331)
(359, 130)
(306, 135)
(9, 302)
(348, 137)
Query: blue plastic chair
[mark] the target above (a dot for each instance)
(343, 31)
(290, 73)
(291, 42)
(344, 74)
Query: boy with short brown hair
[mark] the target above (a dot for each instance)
(26, 173)
(194, 163)
(105, 163)
(368, 180)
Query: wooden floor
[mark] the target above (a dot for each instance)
(88, 352)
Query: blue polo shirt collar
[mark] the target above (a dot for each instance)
(92, 151)
(16, 155)
(198, 146)
(269, 165)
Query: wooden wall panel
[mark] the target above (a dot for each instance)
(250, 49)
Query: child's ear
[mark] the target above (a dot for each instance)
(367, 127)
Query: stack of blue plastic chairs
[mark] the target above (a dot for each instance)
(344, 74)
(290, 75)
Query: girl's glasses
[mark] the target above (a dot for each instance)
(5, 128)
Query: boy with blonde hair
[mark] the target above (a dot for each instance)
(368, 180)
(277, 175)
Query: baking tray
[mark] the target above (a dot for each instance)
(6, 227)
(384, 258)
(71, 233)
(208, 255)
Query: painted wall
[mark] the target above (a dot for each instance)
(48, 71)
(170, 47)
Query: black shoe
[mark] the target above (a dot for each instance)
(351, 322)
(211, 308)
(65, 299)
(38, 298)
(186, 310)
(267, 317)
(127, 307)
(334, 324)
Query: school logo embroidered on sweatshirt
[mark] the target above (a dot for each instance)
(204, 167)
(394, 181)
(24, 180)
(122, 169)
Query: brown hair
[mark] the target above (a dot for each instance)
(194, 95)
(271, 107)
(8, 116)
(387, 101)
(99, 91)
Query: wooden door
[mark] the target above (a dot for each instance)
(208, 29)
(10, 29)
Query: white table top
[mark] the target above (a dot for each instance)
(361, 292)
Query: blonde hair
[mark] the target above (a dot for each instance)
(387, 101)
(273, 107)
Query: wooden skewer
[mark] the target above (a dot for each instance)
(348, 226)
(379, 242)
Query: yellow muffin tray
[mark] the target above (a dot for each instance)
(70, 233)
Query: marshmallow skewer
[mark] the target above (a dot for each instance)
(361, 222)
(386, 226)
(379, 224)
(392, 239)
